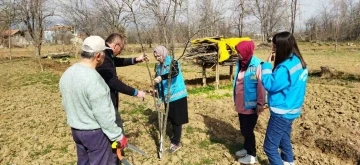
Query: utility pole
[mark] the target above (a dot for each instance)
(10, 20)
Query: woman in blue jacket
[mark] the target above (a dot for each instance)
(178, 107)
(286, 86)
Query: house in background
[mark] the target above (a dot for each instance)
(49, 36)
(59, 34)
(16, 36)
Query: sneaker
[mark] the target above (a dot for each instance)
(288, 163)
(241, 153)
(173, 148)
(248, 159)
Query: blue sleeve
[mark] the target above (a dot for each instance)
(135, 92)
(274, 81)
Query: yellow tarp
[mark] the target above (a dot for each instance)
(222, 44)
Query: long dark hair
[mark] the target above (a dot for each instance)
(285, 44)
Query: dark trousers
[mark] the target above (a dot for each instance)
(93, 148)
(119, 123)
(118, 120)
(247, 125)
(176, 130)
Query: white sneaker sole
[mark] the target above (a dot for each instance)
(243, 155)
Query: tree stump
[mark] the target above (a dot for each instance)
(326, 71)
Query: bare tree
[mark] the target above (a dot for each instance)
(4, 14)
(79, 14)
(269, 13)
(33, 14)
(293, 14)
(210, 12)
(172, 25)
(6, 20)
(112, 15)
(160, 9)
(338, 20)
(239, 14)
(312, 27)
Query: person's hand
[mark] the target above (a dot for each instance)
(123, 142)
(271, 57)
(141, 94)
(153, 93)
(157, 79)
(259, 109)
(142, 58)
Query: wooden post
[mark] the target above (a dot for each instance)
(231, 72)
(204, 75)
(217, 76)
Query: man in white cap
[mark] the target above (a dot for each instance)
(88, 106)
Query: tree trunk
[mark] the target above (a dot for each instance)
(10, 56)
(293, 15)
(38, 55)
(241, 19)
(165, 34)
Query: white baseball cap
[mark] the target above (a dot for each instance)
(94, 44)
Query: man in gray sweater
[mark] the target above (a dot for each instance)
(88, 106)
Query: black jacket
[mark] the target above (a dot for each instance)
(108, 72)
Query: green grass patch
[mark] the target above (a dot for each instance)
(48, 149)
(200, 90)
(217, 141)
(205, 161)
(46, 78)
(138, 109)
(35, 154)
(191, 130)
(235, 147)
(71, 163)
(64, 149)
(204, 144)
(216, 96)
(227, 87)
(135, 108)
(207, 89)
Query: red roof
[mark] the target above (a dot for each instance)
(7, 33)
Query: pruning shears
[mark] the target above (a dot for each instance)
(116, 145)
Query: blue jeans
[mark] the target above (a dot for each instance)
(93, 148)
(278, 134)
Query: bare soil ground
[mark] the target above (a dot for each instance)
(33, 127)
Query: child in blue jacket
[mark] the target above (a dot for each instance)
(286, 87)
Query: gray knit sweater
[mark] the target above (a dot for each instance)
(87, 103)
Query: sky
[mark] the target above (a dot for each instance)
(310, 8)
(307, 9)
